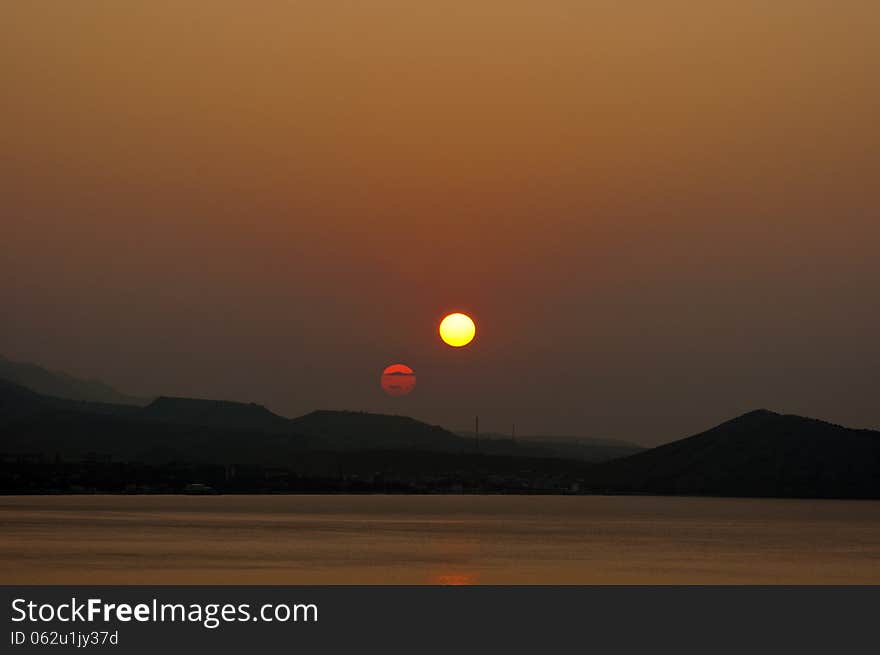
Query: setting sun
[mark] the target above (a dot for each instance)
(398, 380)
(457, 330)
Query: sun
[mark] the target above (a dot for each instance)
(457, 330)
(398, 380)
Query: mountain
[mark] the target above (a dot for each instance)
(587, 449)
(200, 430)
(75, 436)
(45, 426)
(323, 429)
(223, 432)
(215, 413)
(18, 403)
(61, 385)
(58, 445)
(341, 430)
(761, 453)
(344, 431)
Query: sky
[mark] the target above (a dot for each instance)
(659, 214)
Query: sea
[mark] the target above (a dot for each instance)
(436, 539)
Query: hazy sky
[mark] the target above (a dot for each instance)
(661, 213)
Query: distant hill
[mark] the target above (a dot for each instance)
(758, 454)
(35, 424)
(215, 413)
(588, 449)
(200, 430)
(323, 429)
(61, 385)
(214, 431)
(42, 436)
(341, 430)
(73, 436)
(18, 403)
(761, 453)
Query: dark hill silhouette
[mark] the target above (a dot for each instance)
(761, 453)
(47, 426)
(215, 413)
(221, 432)
(51, 444)
(74, 435)
(330, 430)
(758, 454)
(61, 385)
(341, 430)
(18, 402)
(587, 449)
(200, 430)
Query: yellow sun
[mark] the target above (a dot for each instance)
(457, 330)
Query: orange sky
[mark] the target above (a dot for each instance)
(659, 213)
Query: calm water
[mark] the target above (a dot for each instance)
(435, 539)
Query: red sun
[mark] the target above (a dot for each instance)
(398, 380)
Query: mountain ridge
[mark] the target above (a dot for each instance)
(760, 453)
(334, 429)
(63, 385)
(215, 413)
